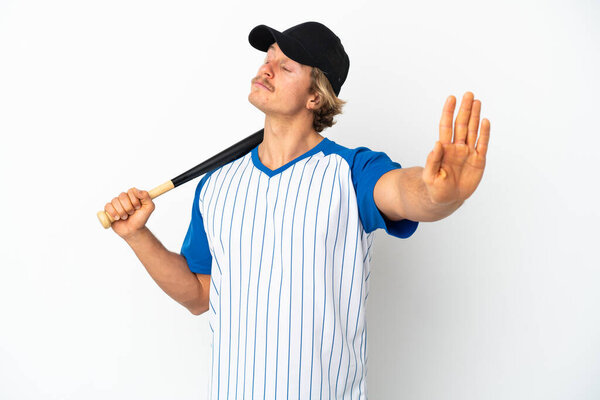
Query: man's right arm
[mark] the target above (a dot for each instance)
(169, 270)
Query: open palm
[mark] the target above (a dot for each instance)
(455, 166)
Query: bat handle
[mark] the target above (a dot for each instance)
(106, 220)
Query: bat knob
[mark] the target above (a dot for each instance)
(105, 219)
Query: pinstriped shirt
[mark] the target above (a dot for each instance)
(289, 253)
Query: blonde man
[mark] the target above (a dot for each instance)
(278, 246)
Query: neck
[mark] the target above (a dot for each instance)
(284, 140)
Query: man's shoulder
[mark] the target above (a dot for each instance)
(354, 156)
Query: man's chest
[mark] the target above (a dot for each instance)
(248, 215)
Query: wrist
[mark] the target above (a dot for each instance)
(134, 237)
(441, 209)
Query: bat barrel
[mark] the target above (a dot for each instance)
(234, 152)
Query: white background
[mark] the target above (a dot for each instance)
(498, 301)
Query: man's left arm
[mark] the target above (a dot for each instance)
(451, 174)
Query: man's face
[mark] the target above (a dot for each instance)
(281, 85)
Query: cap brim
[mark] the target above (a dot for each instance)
(262, 37)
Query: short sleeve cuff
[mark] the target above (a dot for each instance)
(196, 267)
(401, 229)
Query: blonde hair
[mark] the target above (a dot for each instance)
(330, 104)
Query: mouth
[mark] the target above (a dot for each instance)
(258, 83)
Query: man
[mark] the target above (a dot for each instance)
(278, 247)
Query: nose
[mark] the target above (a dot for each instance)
(265, 70)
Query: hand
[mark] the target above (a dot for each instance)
(130, 212)
(454, 169)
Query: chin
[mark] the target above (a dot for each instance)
(256, 104)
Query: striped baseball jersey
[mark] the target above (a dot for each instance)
(289, 252)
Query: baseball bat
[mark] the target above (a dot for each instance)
(231, 153)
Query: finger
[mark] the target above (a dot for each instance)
(434, 161)
(110, 210)
(484, 138)
(135, 202)
(116, 203)
(462, 119)
(126, 203)
(144, 196)
(446, 120)
(473, 124)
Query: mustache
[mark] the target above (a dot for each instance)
(263, 82)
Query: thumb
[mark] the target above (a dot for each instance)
(143, 195)
(434, 162)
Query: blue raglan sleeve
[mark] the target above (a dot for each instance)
(367, 167)
(195, 246)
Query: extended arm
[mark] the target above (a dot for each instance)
(402, 194)
(452, 171)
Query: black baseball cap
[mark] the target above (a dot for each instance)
(309, 43)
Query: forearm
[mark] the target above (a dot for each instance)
(169, 270)
(415, 201)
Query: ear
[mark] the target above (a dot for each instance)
(313, 102)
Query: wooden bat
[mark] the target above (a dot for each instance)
(231, 153)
